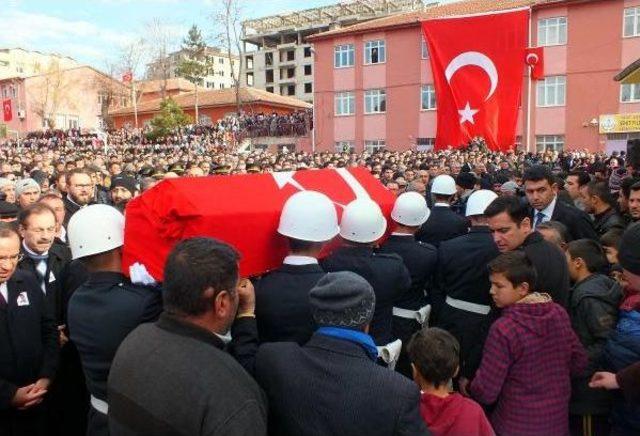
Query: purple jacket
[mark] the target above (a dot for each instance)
(528, 360)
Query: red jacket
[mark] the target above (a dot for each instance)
(528, 360)
(454, 415)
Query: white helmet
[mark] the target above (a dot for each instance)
(95, 229)
(309, 216)
(362, 221)
(443, 185)
(410, 209)
(479, 200)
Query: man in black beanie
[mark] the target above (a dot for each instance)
(123, 189)
(465, 185)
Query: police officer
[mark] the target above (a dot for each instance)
(461, 298)
(308, 221)
(107, 307)
(443, 223)
(411, 310)
(362, 225)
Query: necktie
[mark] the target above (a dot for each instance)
(539, 217)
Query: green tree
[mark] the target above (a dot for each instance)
(195, 64)
(171, 116)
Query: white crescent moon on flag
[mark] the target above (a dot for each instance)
(479, 60)
(532, 59)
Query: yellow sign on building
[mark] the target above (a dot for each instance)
(619, 123)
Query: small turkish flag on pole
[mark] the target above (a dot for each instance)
(6, 109)
(127, 77)
(535, 59)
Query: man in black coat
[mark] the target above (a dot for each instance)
(28, 345)
(542, 192)
(80, 193)
(443, 223)
(308, 220)
(599, 202)
(510, 224)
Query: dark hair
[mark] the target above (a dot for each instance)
(536, 173)
(435, 354)
(583, 177)
(559, 227)
(193, 266)
(612, 238)
(300, 245)
(591, 252)
(600, 190)
(516, 210)
(516, 267)
(34, 209)
(8, 230)
(626, 184)
(634, 188)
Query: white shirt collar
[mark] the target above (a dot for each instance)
(440, 203)
(30, 251)
(4, 290)
(548, 211)
(293, 259)
(63, 234)
(401, 234)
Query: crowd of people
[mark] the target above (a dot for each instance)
(502, 297)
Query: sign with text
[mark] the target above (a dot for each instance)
(619, 123)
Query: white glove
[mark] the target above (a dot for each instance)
(140, 276)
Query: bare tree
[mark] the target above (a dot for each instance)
(49, 93)
(129, 60)
(159, 40)
(227, 20)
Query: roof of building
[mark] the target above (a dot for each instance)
(176, 83)
(631, 74)
(8, 49)
(411, 19)
(220, 97)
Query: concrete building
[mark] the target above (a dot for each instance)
(276, 56)
(392, 103)
(219, 76)
(18, 62)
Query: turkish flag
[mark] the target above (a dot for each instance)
(477, 64)
(6, 110)
(534, 57)
(127, 77)
(242, 210)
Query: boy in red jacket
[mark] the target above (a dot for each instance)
(435, 354)
(529, 356)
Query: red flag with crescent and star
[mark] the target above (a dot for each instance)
(478, 70)
(7, 111)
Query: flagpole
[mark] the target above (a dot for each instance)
(529, 85)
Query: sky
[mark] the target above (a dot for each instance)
(93, 31)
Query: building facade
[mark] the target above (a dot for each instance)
(374, 84)
(219, 75)
(18, 62)
(276, 56)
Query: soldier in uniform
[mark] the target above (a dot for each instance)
(107, 307)
(461, 299)
(308, 221)
(411, 310)
(361, 227)
(443, 223)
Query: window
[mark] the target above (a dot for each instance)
(269, 76)
(424, 49)
(222, 86)
(5, 92)
(551, 91)
(345, 103)
(308, 88)
(268, 58)
(307, 52)
(307, 70)
(344, 56)
(269, 89)
(375, 101)
(630, 93)
(291, 73)
(550, 142)
(344, 146)
(249, 62)
(73, 122)
(249, 79)
(221, 60)
(14, 91)
(374, 52)
(631, 22)
(291, 55)
(374, 145)
(291, 90)
(425, 144)
(428, 97)
(552, 31)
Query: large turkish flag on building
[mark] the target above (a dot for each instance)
(7, 110)
(478, 68)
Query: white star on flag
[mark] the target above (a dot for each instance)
(467, 114)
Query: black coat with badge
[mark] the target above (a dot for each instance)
(443, 224)
(578, 222)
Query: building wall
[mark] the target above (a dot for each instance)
(590, 59)
(16, 62)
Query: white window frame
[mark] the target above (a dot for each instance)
(427, 144)
(375, 101)
(554, 91)
(344, 56)
(544, 141)
(345, 104)
(369, 46)
(373, 145)
(428, 91)
(634, 14)
(340, 145)
(424, 48)
(634, 90)
(554, 30)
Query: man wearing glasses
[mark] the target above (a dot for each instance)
(28, 344)
(80, 192)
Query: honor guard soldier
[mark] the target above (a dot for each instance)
(411, 310)
(308, 221)
(361, 227)
(106, 308)
(461, 296)
(443, 223)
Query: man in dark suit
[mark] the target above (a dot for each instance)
(80, 193)
(542, 192)
(443, 223)
(599, 202)
(332, 385)
(28, 345)
(308, 220)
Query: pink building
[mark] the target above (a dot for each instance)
(374, 85)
